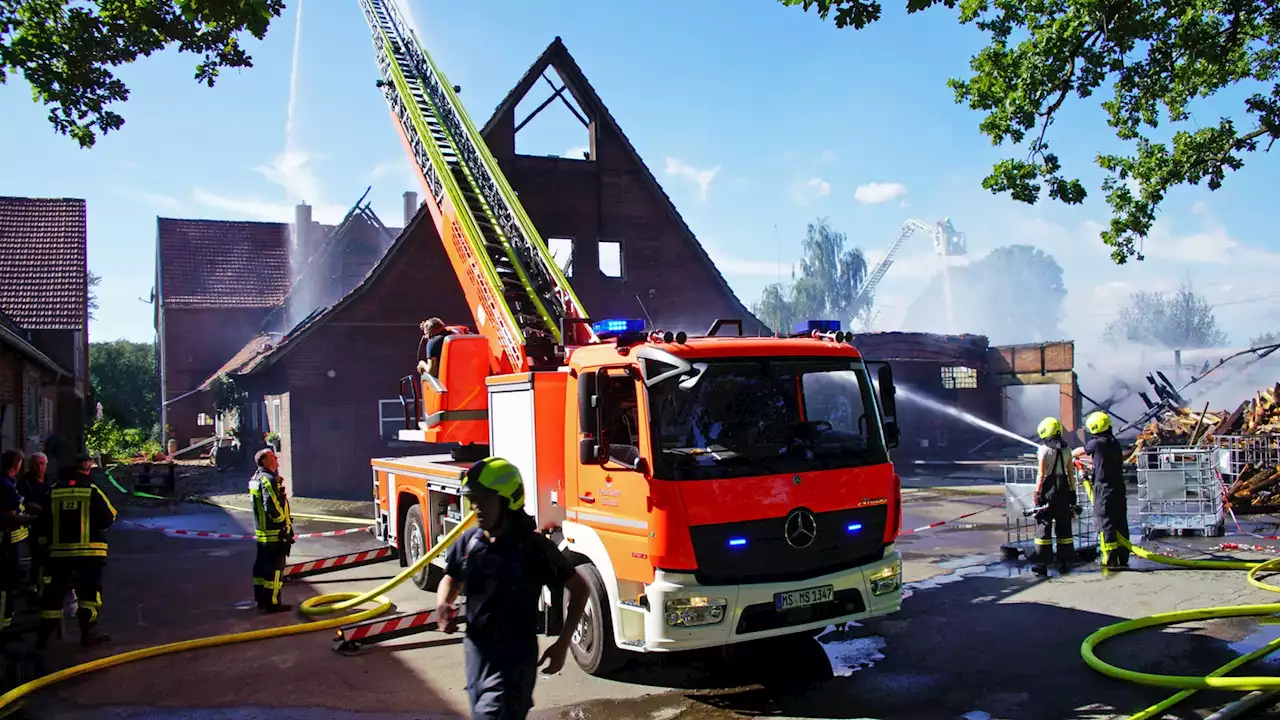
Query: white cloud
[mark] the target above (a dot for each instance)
(878, 192)
(164, 202)
(805, 191)
(703, 178)
(251, 208)
(770, 270)
(1199, 208)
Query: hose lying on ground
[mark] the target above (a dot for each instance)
(1189, 684)
(313, 606)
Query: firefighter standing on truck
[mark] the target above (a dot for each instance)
(273, 531)
(502, 564)
(1110, 506)
(80, 513)
(1056, 500)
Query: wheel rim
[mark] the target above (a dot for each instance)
(415, 544)
(582, 637)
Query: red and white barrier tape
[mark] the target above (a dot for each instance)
(1255, 548)
(948, 522)
(232, 536)
(333, 563)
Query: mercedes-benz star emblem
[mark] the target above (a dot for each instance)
(801, 529)
(796, 480)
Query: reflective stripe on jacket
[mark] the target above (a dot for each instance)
(81, 513)
(272, 521)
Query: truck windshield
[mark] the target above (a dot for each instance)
(742, 417)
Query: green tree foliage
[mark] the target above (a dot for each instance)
(91, 299)
(124, 380)
(1182, 320)
(106, 437)
(68, 49)
(1156, 57)
(829, 277)
(1013, 294)
(1267, 338)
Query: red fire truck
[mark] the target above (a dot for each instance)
(711, 489)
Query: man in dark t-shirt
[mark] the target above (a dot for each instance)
(431, 346)
(1110, 506)
(502, 566)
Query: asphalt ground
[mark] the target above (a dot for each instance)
(977, 638)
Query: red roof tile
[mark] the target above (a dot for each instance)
(218, 263)
(247, 357)
(43, 258)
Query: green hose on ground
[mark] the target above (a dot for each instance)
(1189, 684)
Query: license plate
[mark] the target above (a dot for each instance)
(804, 598)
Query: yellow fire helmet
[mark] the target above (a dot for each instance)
(1098, 423)
(1049, 427)
(498, 476)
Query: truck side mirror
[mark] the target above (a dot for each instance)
(588, 420)
(889, 406)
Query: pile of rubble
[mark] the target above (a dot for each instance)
(1185, 427)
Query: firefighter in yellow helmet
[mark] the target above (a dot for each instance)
(1056, 499)
(503, 565)
(1110, 506)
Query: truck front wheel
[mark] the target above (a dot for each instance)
(415, 546)
(592, 640)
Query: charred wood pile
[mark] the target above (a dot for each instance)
(1187, 427)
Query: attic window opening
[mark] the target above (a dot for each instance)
(562, 253)
(557, 126)
(958, 377)
(611, 258)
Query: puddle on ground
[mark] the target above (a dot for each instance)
(848, 655)
(1255, 640)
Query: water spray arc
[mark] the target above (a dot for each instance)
(947, 243)
(926, 401)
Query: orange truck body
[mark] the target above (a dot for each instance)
(677, 557)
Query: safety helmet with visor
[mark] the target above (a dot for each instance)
(493, 475)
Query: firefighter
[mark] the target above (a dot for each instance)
(80, 513)
(502, 565)
(1110, 506)
(273, 531)
(432, 346)
(1056, 498)
(14, 535)
(34, 487)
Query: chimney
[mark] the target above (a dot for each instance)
(410, 206)
(301, 228)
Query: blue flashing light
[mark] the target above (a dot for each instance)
(819, 325)
(618, 325)
(855, 527)
(737, 542)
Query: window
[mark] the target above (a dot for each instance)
(562, 253)
(744, 417)
(957, 377)
(77, 348)
(390, 419)
(31, 404)
(46, 416)
(611, 258)
(275, 416)
(621, 422)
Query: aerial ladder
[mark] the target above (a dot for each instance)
(522, 304)
(947, 242)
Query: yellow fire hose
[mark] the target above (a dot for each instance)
(1189, 684)
(313, 606)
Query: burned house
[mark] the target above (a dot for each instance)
(44, 323)
(328, 385)
(221, 284)
(966, 373)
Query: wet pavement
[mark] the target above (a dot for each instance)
(978, 638)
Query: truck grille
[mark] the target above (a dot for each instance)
(725, 559)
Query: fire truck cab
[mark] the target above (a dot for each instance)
(711, 490)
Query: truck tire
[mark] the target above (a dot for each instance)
(592, 640)
(415, 546)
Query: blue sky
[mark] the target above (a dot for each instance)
(756, 118)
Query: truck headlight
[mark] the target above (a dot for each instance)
(695, 611)
(886, 580)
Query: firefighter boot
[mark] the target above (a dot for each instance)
(89, 635)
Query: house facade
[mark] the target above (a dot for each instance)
(44, 323)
